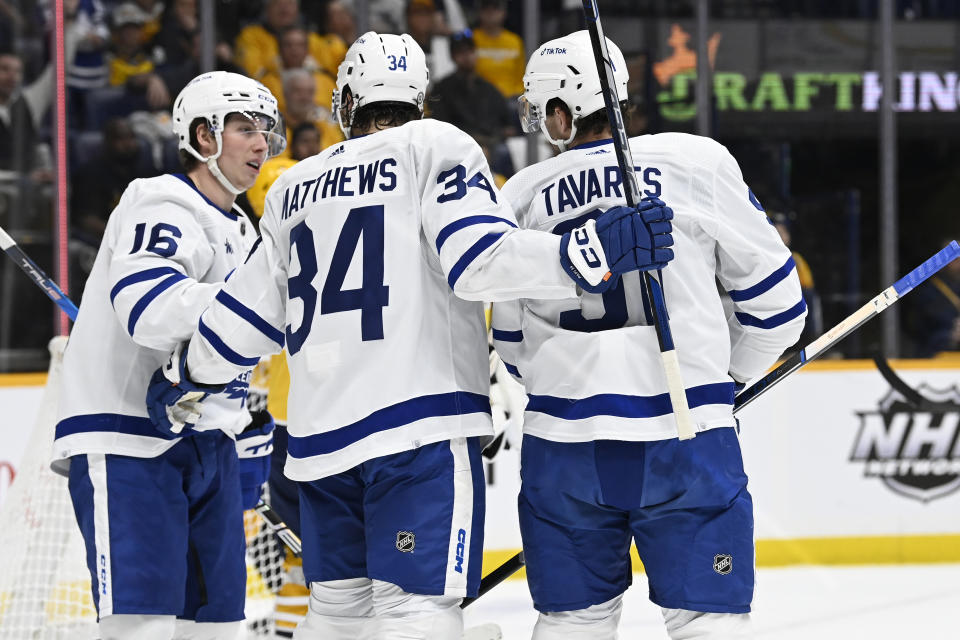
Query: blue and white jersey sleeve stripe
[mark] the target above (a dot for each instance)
(165, 253)
(482, 253)
(152, 292)
(246, 319)
(759, 275)
(508, 335)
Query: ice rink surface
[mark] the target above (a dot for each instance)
(899, 602)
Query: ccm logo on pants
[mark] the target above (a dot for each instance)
(461, 549)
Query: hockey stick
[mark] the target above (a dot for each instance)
(495, 577)
(42, 280)
(279, 528)
(654, 288)
(815, 349)
(818, 347)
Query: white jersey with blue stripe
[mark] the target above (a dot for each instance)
(374, 258)
(591, 366)
(164, 256)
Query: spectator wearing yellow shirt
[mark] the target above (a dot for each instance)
(151, 12)
(258, 48)
(500, 58)
(300, 93)
(303, 143)
(294, 54)
(129, 63)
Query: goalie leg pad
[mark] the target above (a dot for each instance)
(411, 616)
(597, 622)
(697, 625)
(293, 598)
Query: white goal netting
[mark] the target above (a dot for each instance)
(44, 582)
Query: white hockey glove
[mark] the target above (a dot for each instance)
(508, 400)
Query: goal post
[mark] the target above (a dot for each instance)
(44, 585)
(44, 581)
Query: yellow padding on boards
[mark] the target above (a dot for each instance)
(859, 550)
(823, 551)
(945, 360)
(23, 379)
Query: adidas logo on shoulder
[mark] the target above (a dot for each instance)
(337, 151)
(597, 152)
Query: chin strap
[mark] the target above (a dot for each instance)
(211, 163)
(561, 144)
(222, 179)
(215, 168)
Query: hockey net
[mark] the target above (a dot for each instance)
(44, 582)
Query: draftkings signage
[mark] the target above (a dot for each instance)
(800, 92)
(787, 74)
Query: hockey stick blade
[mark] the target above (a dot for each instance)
(279, 528)
(35, 273)
(876, 306)
(653, 289)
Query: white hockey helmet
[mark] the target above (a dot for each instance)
(379, 68)
(215, 95)
(565, 68)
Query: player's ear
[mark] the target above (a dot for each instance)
(206, 140)
(564, 120)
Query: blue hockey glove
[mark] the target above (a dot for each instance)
(173, 400)
(254, 446)
(621, 240)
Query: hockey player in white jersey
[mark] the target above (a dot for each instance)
(601, 463)
(160, 511)
(375, 255)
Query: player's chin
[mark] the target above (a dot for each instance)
(248, 177)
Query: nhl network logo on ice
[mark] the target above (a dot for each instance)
(914, 451)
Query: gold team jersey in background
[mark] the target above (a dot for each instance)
(500, 60)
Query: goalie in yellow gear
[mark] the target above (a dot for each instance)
(270, 385)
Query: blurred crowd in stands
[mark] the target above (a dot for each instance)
(126, 60)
